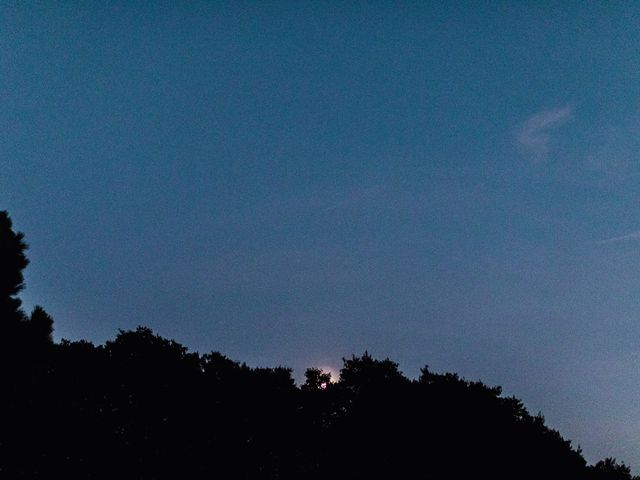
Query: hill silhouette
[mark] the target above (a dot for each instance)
(145, 407)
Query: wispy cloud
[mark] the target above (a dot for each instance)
(534, 134)
(622, 238)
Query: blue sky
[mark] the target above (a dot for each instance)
(291, 183)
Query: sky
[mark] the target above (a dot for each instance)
(290, 183)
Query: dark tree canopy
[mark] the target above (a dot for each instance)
(144, 407)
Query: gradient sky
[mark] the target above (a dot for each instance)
(290, 183)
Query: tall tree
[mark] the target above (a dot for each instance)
(18, 332)
(12, 262)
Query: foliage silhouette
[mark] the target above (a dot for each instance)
(13, 261)
(145, 407)
(611, 470)
(316, 379)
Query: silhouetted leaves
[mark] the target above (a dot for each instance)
(41, 326)
(12, 261)
(316, 379)
(609, 469)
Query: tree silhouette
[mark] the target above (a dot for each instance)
(609, 469)
(41, 326)
(316, 379)
(144, 407)
(12, 262)
(366, 373)
(20, 336)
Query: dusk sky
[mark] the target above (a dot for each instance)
(290, 183)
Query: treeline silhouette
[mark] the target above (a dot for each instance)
(144, 407)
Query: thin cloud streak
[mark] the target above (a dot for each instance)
(534, 134)
(630, 236)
